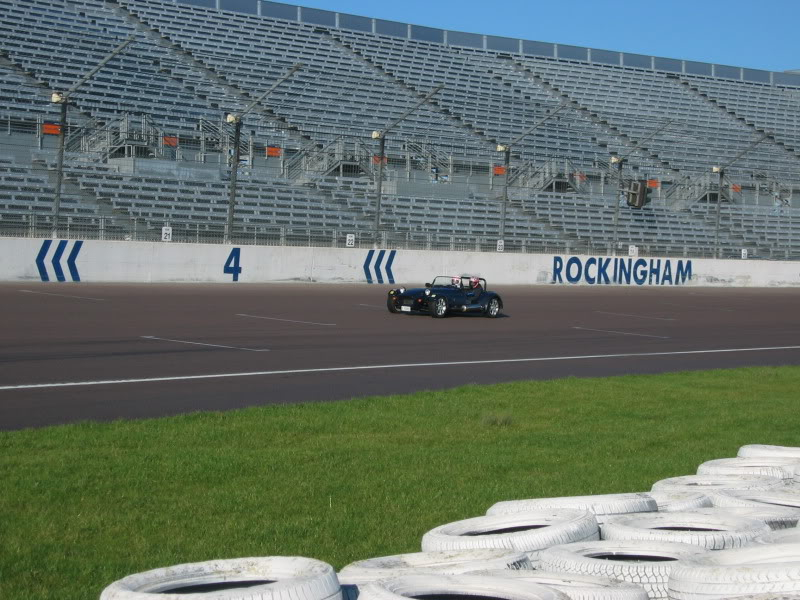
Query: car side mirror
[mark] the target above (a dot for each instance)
(427, 285)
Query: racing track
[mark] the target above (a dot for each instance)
(278, 343)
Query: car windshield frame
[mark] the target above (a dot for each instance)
(447, 281)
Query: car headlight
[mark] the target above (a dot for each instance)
(427, 292)
(402, 290)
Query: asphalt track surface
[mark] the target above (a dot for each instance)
(76, 352)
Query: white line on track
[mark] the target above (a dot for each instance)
(601, 312)
(661, 337)
(396, 366)
(62, 295)
(152, 337)
(286, 320)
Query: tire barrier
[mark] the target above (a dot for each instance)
(773, 466)
(602, 506)
(453, 562)
(578, 587)
(773, 516)
(711, 484)
(773, 568)
(270, 578)
(782, 496)
(642, 562)
(528, 532)
(712, 532)
(453, 587)
(679, 501)
(780, 536)
(657, 543)
(751, 450)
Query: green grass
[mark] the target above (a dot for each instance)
(83, 505)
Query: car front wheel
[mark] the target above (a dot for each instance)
(390, 305)
(493, 308)
(439, 308)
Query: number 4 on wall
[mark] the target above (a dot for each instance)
(232, 264)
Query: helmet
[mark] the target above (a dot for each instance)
(474, 281)
(456, 280)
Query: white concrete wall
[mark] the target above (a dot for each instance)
(98, 261)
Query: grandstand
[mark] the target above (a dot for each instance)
(540, 143)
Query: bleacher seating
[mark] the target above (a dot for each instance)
(190, 65)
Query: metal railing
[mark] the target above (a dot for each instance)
(40, 225)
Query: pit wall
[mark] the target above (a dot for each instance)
(54, 261)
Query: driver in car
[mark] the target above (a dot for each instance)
(475, 288)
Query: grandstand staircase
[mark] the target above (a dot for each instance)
(433, 159)
(353, 159)
(555, 175)
(594, 117)
(124, 136)
(689, 190)
(220, 138)
(792, 151)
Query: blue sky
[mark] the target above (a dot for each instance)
(755, 34)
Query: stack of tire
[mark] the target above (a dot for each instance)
(729, 531)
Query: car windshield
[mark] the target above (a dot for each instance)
(447, 281)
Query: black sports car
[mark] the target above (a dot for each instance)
(446, 295)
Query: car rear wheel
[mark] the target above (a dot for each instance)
(390, 305)
(439, 309)
(493, 308)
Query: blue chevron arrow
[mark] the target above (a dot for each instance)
(56, 260)
(389, 262)
(73, 255)
(40, 260)
(370, 254)
(62, 244)
(378, 266)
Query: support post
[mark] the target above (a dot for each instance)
(62, 131)
(379, 184)
(503, 207)
(620, 194)
(236, 119)
(719, 204)
(237, 135)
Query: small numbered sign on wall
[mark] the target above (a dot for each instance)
(166, 234)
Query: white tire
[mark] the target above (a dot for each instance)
(707, 531)
(773, 568)
(766, 450)
(774, 517)
(267, 578)
(780, 536)
(416, 586)
(579, 587)
(784, 496)
(780, 467)
(602, 506)
(776, 596)
(643, 563)
(679, 501)
(452, 562)
(527, 532)
(710, 484)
